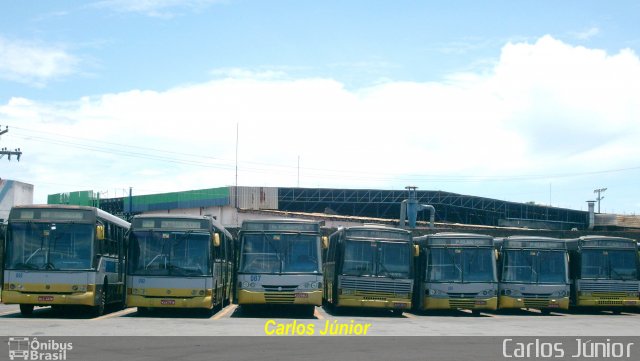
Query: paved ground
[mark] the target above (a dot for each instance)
(234, 321)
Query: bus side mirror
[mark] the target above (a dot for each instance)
(100, 233)
(216, 240)
(325, 242)
(416, 250)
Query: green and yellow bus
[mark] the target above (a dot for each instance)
(57, 255)
(605, 272)
(534, 273)
(370, 266)
(179, 261)
(280, 263)
(456, 271)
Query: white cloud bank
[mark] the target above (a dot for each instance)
(547, 109)
(32, 63)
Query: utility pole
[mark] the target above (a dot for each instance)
(4, 151)
(600, 197)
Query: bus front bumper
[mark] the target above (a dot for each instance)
(392, 303)
(432, 303)
(246, 297)
(539, 303)
(48, 299)
(170, 302)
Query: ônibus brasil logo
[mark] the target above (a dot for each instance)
(25, 348)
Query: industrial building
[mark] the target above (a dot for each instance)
(231, 205)
(13, 193)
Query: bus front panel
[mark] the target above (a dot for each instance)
(294, 289)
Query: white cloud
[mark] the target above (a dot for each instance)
(586, 34)
(33, 63)
(154, 8)
(547, 109)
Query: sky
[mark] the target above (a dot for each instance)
(527, 101)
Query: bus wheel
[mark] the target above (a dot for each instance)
(98, 309)
(397, 313)
(616, 312)
(545, 311)
(475, 312)
(26, 310)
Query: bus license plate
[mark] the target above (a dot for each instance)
(481, 303)
(302, 295)
(45, 298)
(167, 302)
(629, 303)
(554, 305)
(400, 305)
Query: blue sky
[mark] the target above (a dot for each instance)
(525, 101)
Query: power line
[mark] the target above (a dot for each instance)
(262, 168)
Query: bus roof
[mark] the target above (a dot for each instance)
(445, 239)
(533, 242)
(376, 232)
(185, 217)
(280, 224)
(17, 214)
(606, 242)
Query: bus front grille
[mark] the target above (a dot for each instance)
(609, 295)
(279, 297)
(610, 302)
(536, 303)
(609, 286)
(453, 303)
(376, 286)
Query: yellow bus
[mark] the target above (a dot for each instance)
(280, 263)
(457, 271)
(59, 255)
(605, 272)
(370, 266)
(534, 273)
(178, 261)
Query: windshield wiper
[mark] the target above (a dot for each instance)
(386, 270)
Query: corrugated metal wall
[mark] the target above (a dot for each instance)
(176, 200)
(254, 197)
(80, 198)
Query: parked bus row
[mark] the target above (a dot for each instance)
(69, 255)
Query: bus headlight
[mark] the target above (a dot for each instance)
(245, 284)
(252, 284)
(436, 292)
(201, 293)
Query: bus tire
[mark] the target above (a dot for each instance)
(26, 310)
(545, 311)
(98, 310)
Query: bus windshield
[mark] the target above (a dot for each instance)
(609, 264)
(280, 253)
(534, 266)
(460, 265)
(154, 253)
(377, 259)
(49, 246)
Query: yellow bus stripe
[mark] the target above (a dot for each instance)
(224, 312)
